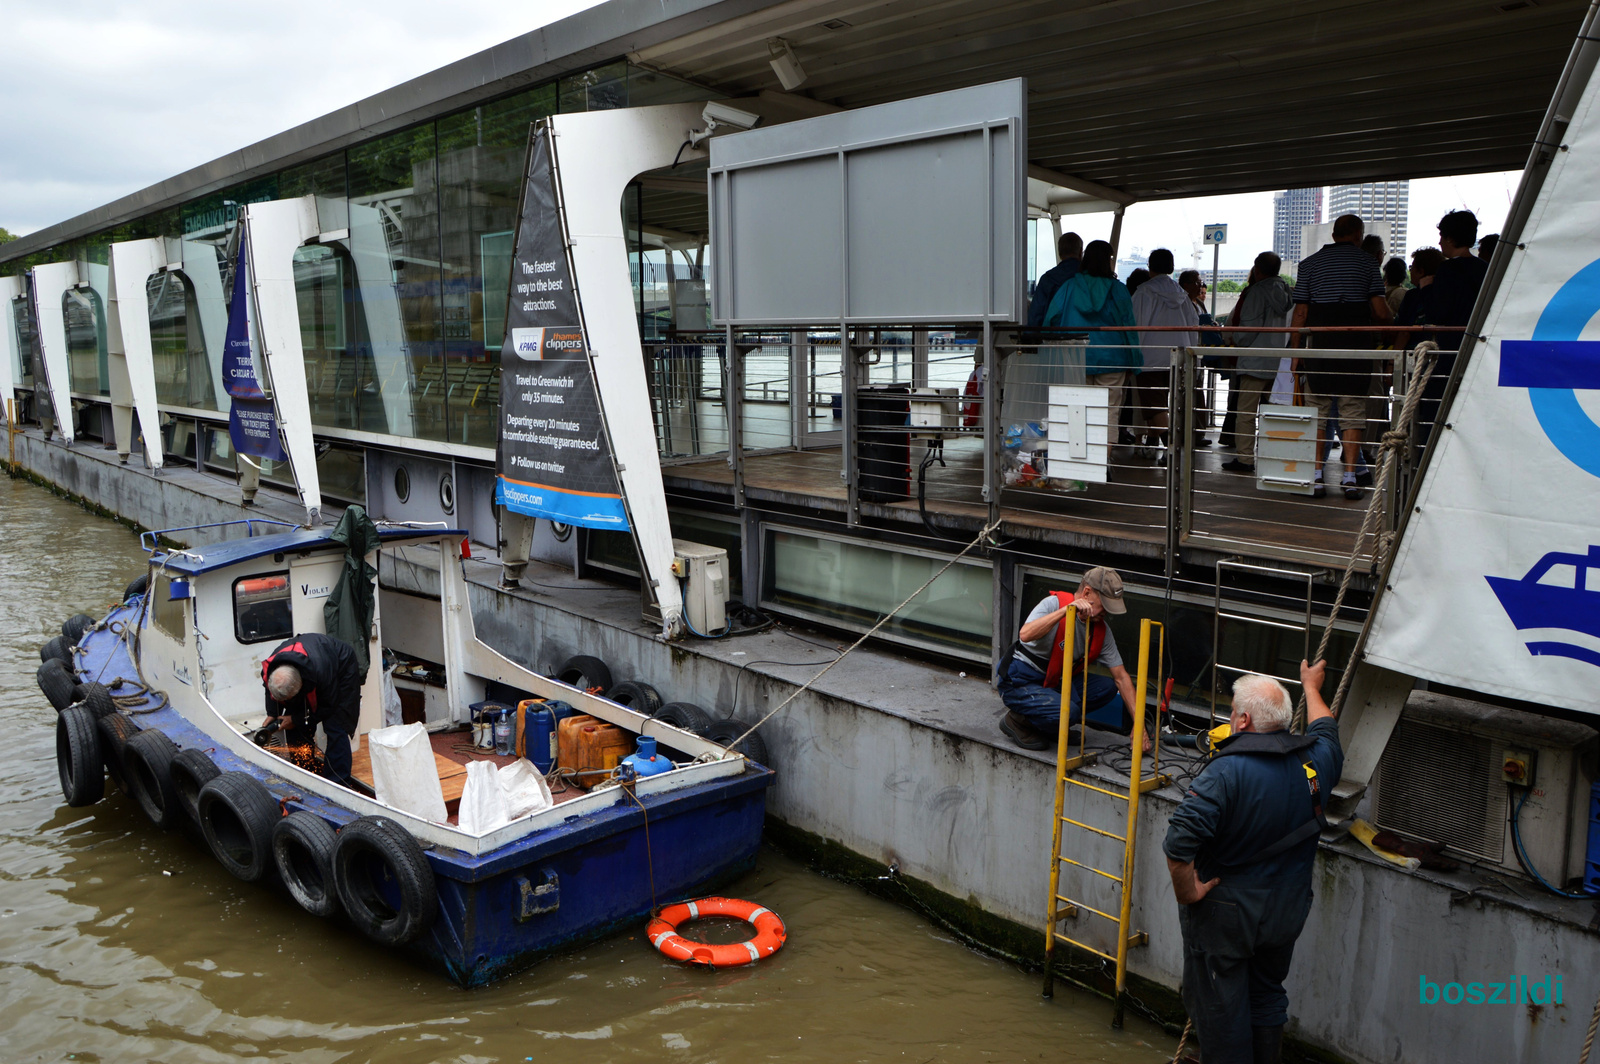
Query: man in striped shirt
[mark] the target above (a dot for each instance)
(1339, 285)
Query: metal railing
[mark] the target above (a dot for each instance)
(1080, 435)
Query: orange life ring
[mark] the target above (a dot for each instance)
(770, 934)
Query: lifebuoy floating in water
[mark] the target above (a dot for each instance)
(769, 938)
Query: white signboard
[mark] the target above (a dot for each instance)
(1496, 586)
(1078, 432)
(1216, 234)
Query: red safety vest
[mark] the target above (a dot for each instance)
(1097, 639)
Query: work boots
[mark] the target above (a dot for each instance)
(1266, 1045)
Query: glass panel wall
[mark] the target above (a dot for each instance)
(85, 320)
(392, 288)
(482, 154)
(23, 323)
(183, 373)
(852, 585)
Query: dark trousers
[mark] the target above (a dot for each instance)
(1022, 690)
(1237, 944)
(336, 753)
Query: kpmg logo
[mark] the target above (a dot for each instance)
(1557, 594)
(534, 344)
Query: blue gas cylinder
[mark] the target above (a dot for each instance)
(646, 762)
(539, 734)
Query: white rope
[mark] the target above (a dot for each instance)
(1427, 353)
(979, 538)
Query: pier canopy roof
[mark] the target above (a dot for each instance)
(1128, 99)
(1168, 98)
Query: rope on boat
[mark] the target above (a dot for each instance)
(979, 538)
(1183, 1040)
(1393, 440)
(1588, 1041)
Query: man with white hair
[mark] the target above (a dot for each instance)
(1240, 850)
(315, 679)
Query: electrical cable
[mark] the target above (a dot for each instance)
(1522, 856)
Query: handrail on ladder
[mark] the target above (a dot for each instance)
(1062, 907)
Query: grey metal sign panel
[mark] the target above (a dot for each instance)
(905, 212)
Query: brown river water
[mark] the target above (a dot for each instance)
(120, 943)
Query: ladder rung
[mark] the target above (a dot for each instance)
(1085, 946)
(1154, 783)
(1226, 616)
(1091, 827)
(1092, 787)
(1090, 868)
(1091, 908)
(1139, 938)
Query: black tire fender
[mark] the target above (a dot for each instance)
(56, 682)
(584, 672)
(686, 715)
(58, 648)
(73, 627)
(97, 696)
(373, 856)
(302, 847)
(191, 770)
(136, 586)
(637, 696)
(237, 815)
(83, 778)
(726, 730)
(147, 767)
(115, 731)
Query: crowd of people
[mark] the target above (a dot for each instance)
(1344, 297)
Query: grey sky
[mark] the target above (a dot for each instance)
(104, 98)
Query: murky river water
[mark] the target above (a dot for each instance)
(119, 943)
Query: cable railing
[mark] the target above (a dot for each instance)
(1086, 435)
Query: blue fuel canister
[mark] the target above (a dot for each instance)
(539, 734)
(646, 762)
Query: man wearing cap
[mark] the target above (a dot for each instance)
(1030, 678)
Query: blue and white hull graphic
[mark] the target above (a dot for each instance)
(1513, 483)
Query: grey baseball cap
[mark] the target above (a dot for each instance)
(1108, 585)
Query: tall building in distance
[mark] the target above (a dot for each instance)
(1291, 211)
(1376, 201)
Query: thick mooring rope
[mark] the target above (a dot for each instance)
(1393, 441)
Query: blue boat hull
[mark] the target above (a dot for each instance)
(567, 884)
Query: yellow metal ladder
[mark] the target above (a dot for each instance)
(1063, 907)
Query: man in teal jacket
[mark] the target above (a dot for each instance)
(1094, 296)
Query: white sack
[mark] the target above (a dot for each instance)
(391, 699)
(1283, 384)
(403, 771)
(483, 804)
(525, 789)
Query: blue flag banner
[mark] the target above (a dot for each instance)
(252, 425)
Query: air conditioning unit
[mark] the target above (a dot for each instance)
(1443, 778)
(704, 572)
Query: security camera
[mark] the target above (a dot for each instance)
(719, 115)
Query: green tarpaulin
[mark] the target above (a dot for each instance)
(348, 612)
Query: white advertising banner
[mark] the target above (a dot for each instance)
(1496, 586)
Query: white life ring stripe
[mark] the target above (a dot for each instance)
(656, 942)
(755, 954)
(753, 917)
(694, 911)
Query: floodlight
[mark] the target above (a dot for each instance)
(791, 75)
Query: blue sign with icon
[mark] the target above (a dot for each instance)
(1554, 366)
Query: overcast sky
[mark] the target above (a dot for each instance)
(104, 98)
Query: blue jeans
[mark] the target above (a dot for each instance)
(1022, 690)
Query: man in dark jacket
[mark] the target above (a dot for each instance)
(1240, 850)
(1069, 249)
(314, 679)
